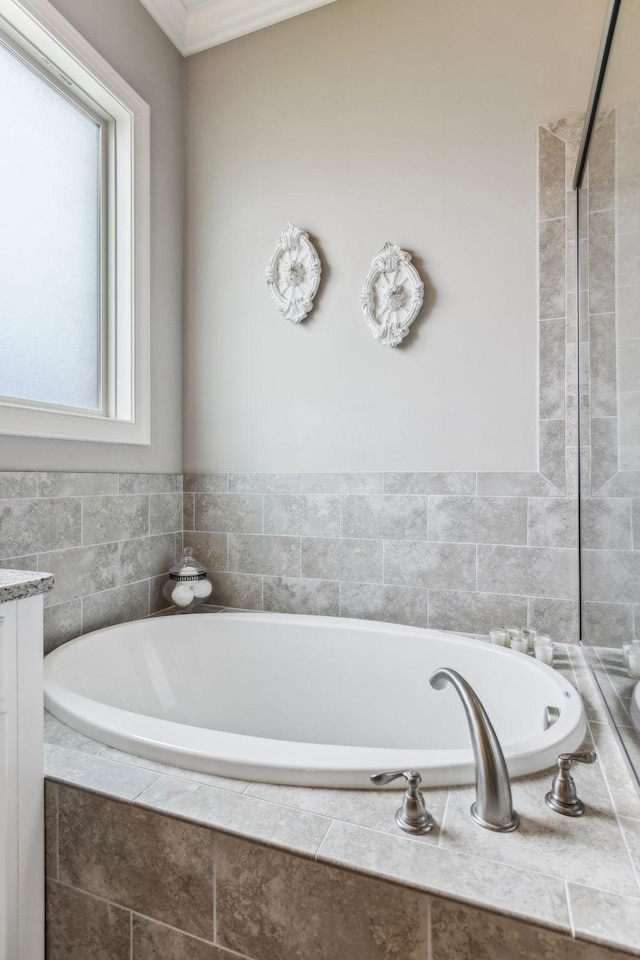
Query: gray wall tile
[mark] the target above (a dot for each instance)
(211, 549)
(474, 612)
(552, 268)
(114, 518)
(606, 524)
(602, 366)
(273, 556)
(551, 455)
(385, 517)
(343, 483)
(621, 485)
(530, 571)
(119, 605)
(514, 485)
(628, 312)
(150, 483)
(635, 513)
(206, 483)
(558, 618)
(188, 511)
(551, 376)
(157, 600)
(33, 526)
(390, 604)
(62, 622)
(447, 566)
(237, 590)
(148, 557)
(606, 624)
(478, 519)
(14, 485)
(144, 861)
(442, 484)
(604, 451)
(334, 559)
(264, 483)
(602, 164)
(611, 575)
(602, 274)
(229, 513)
(81, 571)
(317, 597)
(271, 905)
(302, 515)
(165, 513)
(551, 192)
(552, 522)
(29, 562)
(77, 484)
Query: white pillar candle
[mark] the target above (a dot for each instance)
(519, 644)
(627, 648)
(634, 665)
(531, 636)
(544, 653)
(498, 636)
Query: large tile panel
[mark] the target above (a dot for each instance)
(229, 513)
(385, 517)
(445, 566)
(303, 515)
(81, 571)
(114, 518)
(478, 519)
(82, 927)
(144, 861)
(273, 906)
(530, 571)
(33, 526)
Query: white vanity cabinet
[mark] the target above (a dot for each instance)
(21, 771)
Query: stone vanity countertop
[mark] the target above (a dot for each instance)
(578, 876)
(18, 584)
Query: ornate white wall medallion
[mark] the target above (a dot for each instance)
(293, 274)
(392, 295)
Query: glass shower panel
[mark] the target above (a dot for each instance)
(609, 309)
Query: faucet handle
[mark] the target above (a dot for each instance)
(562, 798)
(588, 757)
(412, 816)
(412, 777)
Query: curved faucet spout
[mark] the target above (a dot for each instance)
(493, 807)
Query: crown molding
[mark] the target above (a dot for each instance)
(171, 16)
(195, 28)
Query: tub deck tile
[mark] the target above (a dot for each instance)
(285, 827)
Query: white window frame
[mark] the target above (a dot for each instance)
(44, 34)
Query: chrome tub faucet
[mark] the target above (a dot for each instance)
(493, 807)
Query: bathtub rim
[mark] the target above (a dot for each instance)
(245, 757)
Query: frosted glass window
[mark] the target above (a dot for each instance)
(50, 242)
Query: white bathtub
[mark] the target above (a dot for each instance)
(314, 701)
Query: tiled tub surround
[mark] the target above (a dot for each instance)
(108, 538)
(453, 551)
(147, 861)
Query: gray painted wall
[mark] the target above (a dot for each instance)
(362, 122)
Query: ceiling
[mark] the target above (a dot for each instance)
(194, 25)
